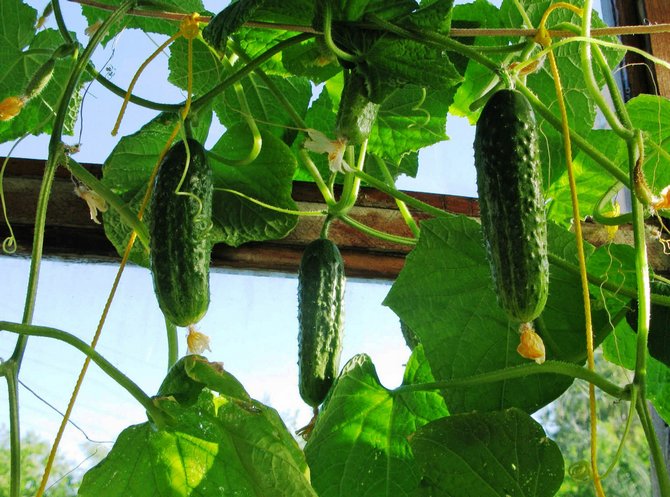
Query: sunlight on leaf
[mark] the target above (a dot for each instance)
(359, 444)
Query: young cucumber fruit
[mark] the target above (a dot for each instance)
(321, 283)
(513, 218)
(180, 218)
(356, 114)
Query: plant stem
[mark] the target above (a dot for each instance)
(130, 218)
(60, 21)
(316, 175)
(549, 367)
(352, 183)
(172, 342)
(397, 194)
(642, 276)
(402, 206)
(11, 376)
(107, 367)
(662, 477)
(118, 91)
(590, 79)
(328, 36)
(281, 97)
(376, 233)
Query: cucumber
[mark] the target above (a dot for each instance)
(321, 283)
(356, 114)
(40, 79)
(513, 217)
(179, 226)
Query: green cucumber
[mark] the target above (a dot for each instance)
(513, 217)
(356, 114)
(321, 283)
(40, 79)
(180, 219)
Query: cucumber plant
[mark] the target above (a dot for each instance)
(370, 84)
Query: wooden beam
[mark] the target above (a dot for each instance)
(71, 234)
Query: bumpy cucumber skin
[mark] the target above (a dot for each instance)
(513, 216)
(179, 225)
(356, 114)
(321, 283)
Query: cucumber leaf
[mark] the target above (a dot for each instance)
(312, 60)
(445, 295)
(495, 454)
(269, 179)
(221, 444)
(409, 119)
(477, 79)
(652, 115)
(228, 21)
(261, 96)
(359, 444)
(18, 68)
(581, 108)
(207, 69)
(589, 176)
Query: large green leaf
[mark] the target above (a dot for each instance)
(496, 454)
(220, 445)
(359, 445)
(592, 181)
(478, 79)
(269, 179)
(409, 119)
(271, 116)
(580, 106)
(652, 115)
(207, 70)
(311, 59)
(388, 62)
(229, 20)
(444, 294)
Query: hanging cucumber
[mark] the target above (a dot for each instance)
(321, 283)
(356, 114)
(509, 183)
(181, 210)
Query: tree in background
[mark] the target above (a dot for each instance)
(34, 454)
(567, 422)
